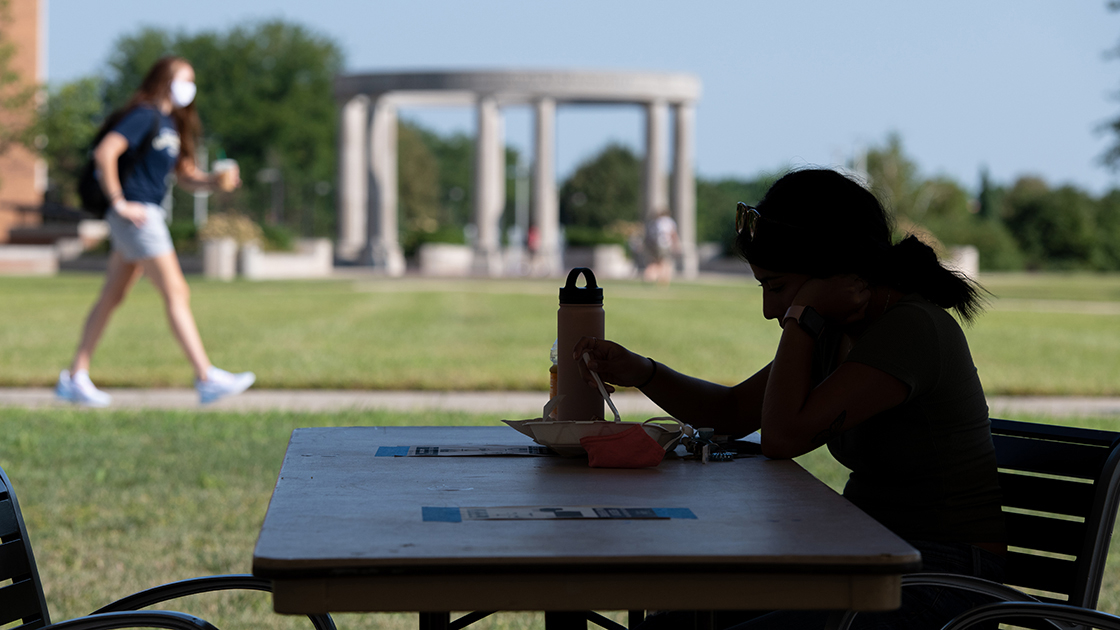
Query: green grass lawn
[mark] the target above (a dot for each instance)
(1045, 334)
(119, 500)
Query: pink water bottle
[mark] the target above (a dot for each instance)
(581, 315)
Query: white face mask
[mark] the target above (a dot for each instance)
(182, 93)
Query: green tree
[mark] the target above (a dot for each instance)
(423, 217)
(1108, 230)
(68, 121)
(947, 210)
(418, 172)
(436, 176)
(1111, 157)
(1055, 228)
(265, 97)
(129, 61)
(990, 197)
(454, 156)
(894, 177)
(602, 190)
(715, 206)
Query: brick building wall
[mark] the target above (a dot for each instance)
(22, 173)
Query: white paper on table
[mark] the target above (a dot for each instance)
(531, 450)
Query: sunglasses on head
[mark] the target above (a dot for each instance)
(748, 217)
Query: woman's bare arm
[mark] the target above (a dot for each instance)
(105, 156)
(797, 417)
(734, 410)
(731, 410)
(192, 179)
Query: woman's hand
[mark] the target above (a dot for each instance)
(133, 211)
(614, 363)
(839, 298)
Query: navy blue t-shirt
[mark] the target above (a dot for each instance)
(148, 180)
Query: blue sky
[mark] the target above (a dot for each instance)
(1020, 86)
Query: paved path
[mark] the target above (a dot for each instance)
(519, 404)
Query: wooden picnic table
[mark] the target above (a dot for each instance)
(349, 530)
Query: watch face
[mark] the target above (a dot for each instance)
(811, 321)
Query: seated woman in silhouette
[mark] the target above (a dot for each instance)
(870, 364)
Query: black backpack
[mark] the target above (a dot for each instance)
(93, 197)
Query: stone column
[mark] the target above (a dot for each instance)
(684, 186)
(353, 181)
(654, 195)
(547, 260)
(489, 188)
(383, 248)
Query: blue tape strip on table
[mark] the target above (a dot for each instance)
(442, 514)
(674, 513)
(392, 451)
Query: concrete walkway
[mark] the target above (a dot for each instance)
(510, 404)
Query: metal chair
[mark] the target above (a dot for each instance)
(22, 599)
(1073, 615)
(1060, 488)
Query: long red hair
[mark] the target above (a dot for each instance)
(155, 87)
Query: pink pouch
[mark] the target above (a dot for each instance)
(632, 448)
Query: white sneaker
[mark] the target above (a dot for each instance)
(80, 390)
(220, 383)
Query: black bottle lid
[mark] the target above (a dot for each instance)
(590, 294)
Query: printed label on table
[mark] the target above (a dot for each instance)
(534, 513)
(462, 451)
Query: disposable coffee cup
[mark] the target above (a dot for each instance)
(226, 170)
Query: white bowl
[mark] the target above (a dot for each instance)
(564, 436)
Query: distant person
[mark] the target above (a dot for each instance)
(663, 244)
(533, 239)
(161, 113)
(869, 363)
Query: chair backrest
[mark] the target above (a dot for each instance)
(1060, 491)
(21, 592)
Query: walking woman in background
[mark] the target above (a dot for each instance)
(870, 364)
(158, 129)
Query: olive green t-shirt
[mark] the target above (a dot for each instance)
(927, 468)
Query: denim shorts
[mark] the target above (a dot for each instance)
(923, 607)
(140, 243)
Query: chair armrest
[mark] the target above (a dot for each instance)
(207, 584)
(184, 588)
(952, 580)
(1038, 610)
(968, 583)
(133, 619)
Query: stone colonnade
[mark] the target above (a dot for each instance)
(367, 200)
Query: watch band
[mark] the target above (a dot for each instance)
(806, 317)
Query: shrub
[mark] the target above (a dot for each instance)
(230, 225)
(278, 238)
(583, 236)
(184, 236)
(411, 240)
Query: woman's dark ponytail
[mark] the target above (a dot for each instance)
(914, 268)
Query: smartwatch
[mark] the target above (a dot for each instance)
(806, 317)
